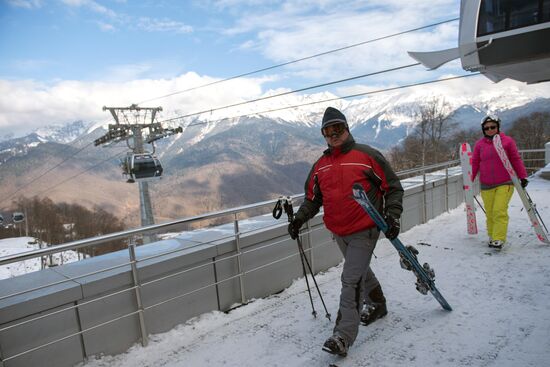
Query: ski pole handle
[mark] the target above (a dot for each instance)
(278, 209)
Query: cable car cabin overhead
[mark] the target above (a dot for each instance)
(501, 39)
(141, 167)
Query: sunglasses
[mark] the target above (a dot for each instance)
(334, 131)
(487, 128)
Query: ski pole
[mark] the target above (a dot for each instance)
(289, 210)
(290, 213)
(301, 248)
(277, 211)
(313, 312)
(535, 210)
(478, 203)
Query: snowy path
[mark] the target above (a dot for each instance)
(501, 311)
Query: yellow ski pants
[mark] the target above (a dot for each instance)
(496, 202)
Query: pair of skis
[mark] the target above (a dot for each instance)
(424, 273)
(466, 162)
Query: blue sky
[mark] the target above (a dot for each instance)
(117, 40)
(62, 60)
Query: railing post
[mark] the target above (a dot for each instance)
(239, 260)
(133, 265)
(425, 204)
(547, 153)
(446, 188)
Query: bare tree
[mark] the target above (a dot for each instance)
(532, 131)
(427, 143)
(433, 124)
(54, 223)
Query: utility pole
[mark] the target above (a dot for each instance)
(127, 130)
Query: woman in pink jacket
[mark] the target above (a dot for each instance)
(496, 185)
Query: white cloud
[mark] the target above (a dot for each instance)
(92, 5)
(162, 25)
(144, 23)
(294, 30)
(297, 29)
(127, 72)
(27, 4)
(106, 27)
(27, 105)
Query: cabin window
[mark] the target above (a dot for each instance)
(503, 15)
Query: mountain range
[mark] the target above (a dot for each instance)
(219, 162)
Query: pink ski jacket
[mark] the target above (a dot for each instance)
(487, 162)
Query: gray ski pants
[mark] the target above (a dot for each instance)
(357, 280)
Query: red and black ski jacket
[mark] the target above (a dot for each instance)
(330, 181)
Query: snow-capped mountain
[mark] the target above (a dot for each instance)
(60, 134)
(231, 157)
(63, 134)
(381, 119)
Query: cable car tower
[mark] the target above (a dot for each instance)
(138, 165)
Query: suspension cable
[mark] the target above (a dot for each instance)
(80, 173)
(294, 91)
(339, 98)
(9, 196)
(301, 59)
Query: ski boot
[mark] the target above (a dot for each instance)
(336, 345)
(498, 244)
(376, 308)
(373, 312)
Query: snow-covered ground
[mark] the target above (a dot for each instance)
(10, 246)
(501, 313)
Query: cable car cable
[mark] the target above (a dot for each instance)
(301, 59)
(45, 172)
(288, 107)
(246, 74)
(294, 91)
(339, 98)
(263, 98)
(80, 173)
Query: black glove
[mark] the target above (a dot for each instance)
(393, 227)
(524, 182)
(294, 227)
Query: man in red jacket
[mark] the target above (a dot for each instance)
(329, 184)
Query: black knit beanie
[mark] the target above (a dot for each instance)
(332, 116)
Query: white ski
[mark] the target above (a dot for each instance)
(466, 163)
(530, 207)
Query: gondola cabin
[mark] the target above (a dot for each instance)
(18, 217)
(501, 39)
(141, 167)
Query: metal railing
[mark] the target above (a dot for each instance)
(441, 169)
(137, 286)
(533, 159)
(173, 225)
